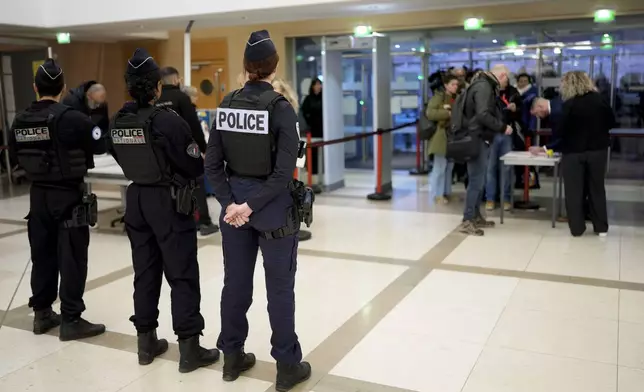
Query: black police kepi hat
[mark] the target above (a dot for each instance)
(49, 74)
(260, 46)
(141, 63)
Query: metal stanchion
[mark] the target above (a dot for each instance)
(379, 195)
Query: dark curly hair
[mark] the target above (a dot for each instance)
(143, 88)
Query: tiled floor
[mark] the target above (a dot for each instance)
(389, 298)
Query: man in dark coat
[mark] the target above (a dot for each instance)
(90, 98)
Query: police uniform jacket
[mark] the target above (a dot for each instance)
(222, 144)
(171, 141)
(67, 146)
(173, 98)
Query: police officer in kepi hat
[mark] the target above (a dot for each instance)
(55, 145)
(251, 156)
(154, 147)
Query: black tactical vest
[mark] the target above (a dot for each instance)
(139, 155)
(243, 119)
(38, 148)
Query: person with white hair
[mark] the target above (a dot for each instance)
(90, 98)
(484, 120)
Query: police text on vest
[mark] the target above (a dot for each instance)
(242, 120)
(30, 135)
(128, 136)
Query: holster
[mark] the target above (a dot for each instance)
(84, 214)
(184, 199)
(292, 227)
(303, 198)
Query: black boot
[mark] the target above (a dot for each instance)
(150, 347)
(288, 376)
(237, 363)
(193, 356)
(79, 328)
(45, 320)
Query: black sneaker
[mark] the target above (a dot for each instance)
(469, 228)
(208, 230)
(150, 347)
(237, 363)
(193, 356)
(79, 328)
(45, 321)
(288, 376)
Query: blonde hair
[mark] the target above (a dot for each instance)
(285, 89)
(576, 83)
(242, 78)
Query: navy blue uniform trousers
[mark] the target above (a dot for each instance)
(57, 250)
(240, 246)
(163, 241)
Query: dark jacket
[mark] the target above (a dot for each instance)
(482, 111)
(586, 123)
(172, 97)
(312, 112)
(554, 122)
(77, 99)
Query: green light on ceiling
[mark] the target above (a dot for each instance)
(512, 44)
(472, 24)
(604, 16)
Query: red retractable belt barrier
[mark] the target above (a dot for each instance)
(379, 194)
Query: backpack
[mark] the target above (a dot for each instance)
(463, 142)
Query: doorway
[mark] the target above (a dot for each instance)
(209, 78)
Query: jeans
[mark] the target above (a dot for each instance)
(440, 179)
(476, 169)
(501, 145)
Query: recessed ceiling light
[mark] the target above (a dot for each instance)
(413, 49)
(495, 41)
(397, 46)
(311, 59)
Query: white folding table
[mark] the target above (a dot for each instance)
(525, 158)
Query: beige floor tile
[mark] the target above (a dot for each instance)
(404, 362)
(630, 380)
(78, 367)
(166, 378)
(588, 256)
(631, 345)
(590, 339)
(518, 249)
(20, 348)
(565, 299)
(631, 306)
(507, 370)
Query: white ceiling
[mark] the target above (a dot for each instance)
(157, 29)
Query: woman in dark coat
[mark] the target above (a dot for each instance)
(584, 139)
(312, 112)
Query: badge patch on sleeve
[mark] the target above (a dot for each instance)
(96, 133)
(193, 150)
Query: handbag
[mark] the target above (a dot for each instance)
(426, 128)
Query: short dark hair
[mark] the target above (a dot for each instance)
(448, 78)
(52, 89)
(524, 75)
(259, 70)
(169, 71)
(143, 88)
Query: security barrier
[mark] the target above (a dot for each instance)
(380, 193)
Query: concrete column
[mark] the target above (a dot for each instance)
(187, 56)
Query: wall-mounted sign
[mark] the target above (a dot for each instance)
(473, 24)
(604, 16)
(63, 38)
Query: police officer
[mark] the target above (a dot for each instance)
(154, 147)
(172, 97)
(252, 152)
(54, 145)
